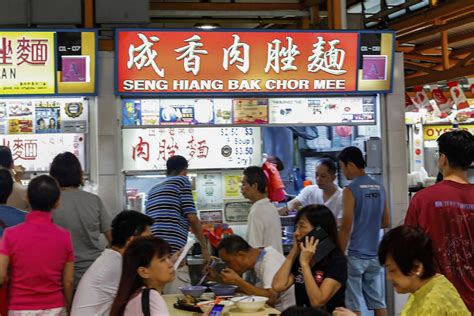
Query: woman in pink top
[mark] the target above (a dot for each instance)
(147, 264)
(40, 256)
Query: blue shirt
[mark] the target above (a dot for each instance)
(369, 196)
(10, 216)
(169, 203)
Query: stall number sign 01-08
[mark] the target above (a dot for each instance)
(204, 148)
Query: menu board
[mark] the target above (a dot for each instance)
(136, 112)
(257, 111)
(35, 152)
(348, 110)
(205, 148)
(43, 116)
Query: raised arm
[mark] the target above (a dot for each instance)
(283, 279)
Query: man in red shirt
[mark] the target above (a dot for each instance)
(445, 211)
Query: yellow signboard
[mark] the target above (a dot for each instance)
(27, 63)
(432, 132)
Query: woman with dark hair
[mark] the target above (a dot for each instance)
(317, 284)
(147, 268)
(81, 212)
(408, 257)
(324, 192)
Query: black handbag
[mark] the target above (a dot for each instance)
(146, 302)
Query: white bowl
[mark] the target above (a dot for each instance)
(250, 303)
(206, 306)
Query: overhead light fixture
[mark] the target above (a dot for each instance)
(207, 26)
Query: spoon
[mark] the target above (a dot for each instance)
(211, 265)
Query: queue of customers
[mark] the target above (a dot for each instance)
(53, 263)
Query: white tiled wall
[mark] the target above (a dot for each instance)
(106, 120)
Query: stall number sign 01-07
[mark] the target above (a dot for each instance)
(204, 148)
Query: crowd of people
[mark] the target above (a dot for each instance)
(62, 253)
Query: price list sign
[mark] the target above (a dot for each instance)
(204, 148)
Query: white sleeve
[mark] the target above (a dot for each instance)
(271, 266)
(256, 231)
(305, 194)
(158, 305)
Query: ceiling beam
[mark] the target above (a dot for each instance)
(451, 39)
(449, 74)
(433, 59)
(428, 15)
(462, 51)
(419, 67)
(435, 29)
(384, 13)
(467, 59)
(225, 20)
(209, 6)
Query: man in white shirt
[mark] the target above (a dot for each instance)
(98, 286)
(264, 225)
(262, 262)
(325, 192)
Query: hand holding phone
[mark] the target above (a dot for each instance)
(308, 250)
(325, 245)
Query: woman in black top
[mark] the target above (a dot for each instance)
(318, 284)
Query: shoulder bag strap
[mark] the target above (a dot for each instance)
(146, 302)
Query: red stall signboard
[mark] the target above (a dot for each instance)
(238, 62)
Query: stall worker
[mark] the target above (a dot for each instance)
(264, 225)
(324, 192)
(240, 257)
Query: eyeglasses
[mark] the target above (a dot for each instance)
(437, 154)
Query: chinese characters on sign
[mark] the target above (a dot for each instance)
(148, 149)
(27, 63)
(35, 152)
(159, 61)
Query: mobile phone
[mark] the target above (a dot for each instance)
(216, 310)
(325, 245)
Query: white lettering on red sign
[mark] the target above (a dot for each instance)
(192, 61)
(330, 61)
(144, 55)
